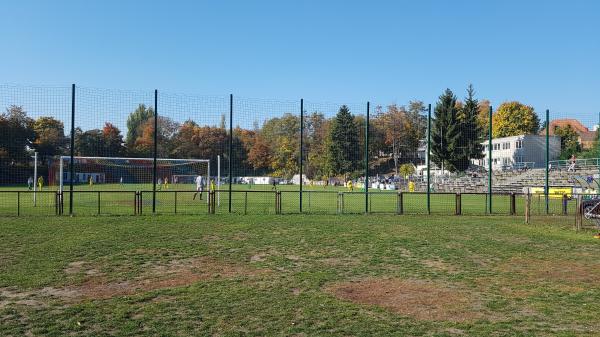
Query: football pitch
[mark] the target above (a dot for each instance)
(116, 199)
(319, 275)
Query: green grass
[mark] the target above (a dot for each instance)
(266, 275)
(257, 199)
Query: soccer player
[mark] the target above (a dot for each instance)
(213, 186)
(274, 187)
(121, 181)
(199, 187)
(166, 181)
(30, 183)
(159, 183)
(40, 182)
(91, 181)
(350, 186)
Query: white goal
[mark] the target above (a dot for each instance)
(136, 173)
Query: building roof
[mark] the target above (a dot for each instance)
(564, 122)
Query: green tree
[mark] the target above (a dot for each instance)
(89, 143)
(513, 119)
(315, 146)
(50, 137)
(445, 133)
(569, 141)
(135, 123)
(282, 134)
(343, 147)
(471, 133)
(16, 134)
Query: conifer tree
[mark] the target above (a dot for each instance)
(445, 133)
(343, 146)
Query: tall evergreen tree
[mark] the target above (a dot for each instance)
(343, 145)
(445, 132)
(471, 133)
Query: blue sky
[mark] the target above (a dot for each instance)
(543, 53)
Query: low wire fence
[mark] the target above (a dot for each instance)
(44, 203)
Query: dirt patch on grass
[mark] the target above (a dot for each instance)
(74, 267)
(563, 271)
(175, 273)
(422, 300)
(439, 265)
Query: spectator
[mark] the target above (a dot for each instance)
(572, 164)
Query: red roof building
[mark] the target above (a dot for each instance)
(586, 137)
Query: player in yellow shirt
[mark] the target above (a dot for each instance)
(40, 182)
(350, 186)
(213, 186)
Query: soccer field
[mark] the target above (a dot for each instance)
(115, 199)
(322, 275)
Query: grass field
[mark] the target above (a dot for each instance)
(320, 275)
(258, 199)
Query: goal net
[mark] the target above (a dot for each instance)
(129, 173)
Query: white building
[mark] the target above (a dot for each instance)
(520, 151)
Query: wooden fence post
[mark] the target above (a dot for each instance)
(527, 207)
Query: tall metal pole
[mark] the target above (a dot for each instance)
(428, 160)
(35, 178)
(490, 161)
(72, 150)
(367, 159)
(154, 173)
(230, 147)
(301, 147)
(218, 180)
(547, 187)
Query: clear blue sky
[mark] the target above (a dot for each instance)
(543, 53)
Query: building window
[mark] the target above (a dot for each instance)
(518, 144)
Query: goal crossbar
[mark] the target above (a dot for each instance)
(128, 158)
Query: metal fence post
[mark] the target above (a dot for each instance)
(98, 202)
(458, 204)
(230, 147)
(546, 186)
(18, 203)
(72, 150)
(428, 159)
(154, 173)
(400, 206)
(490, 162)
(513, 204)
(367, 160)
(301, 147)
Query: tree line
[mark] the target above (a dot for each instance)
(333, 146)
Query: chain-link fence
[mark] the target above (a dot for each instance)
(75, 150)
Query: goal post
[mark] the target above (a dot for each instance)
(137, 172)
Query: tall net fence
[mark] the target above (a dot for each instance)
(144, 152)
(34, 128)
